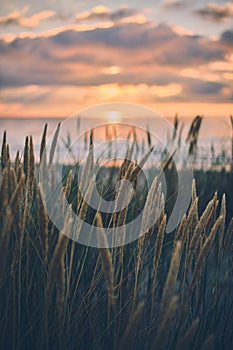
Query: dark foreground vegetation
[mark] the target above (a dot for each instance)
(163, 291)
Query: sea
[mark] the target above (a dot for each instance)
(214, 139)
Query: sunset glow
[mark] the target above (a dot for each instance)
(168, 56)
(113, 116)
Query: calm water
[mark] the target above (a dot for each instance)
(216, 131)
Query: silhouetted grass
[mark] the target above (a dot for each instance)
(160, 292)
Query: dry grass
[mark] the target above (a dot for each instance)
(161, 292)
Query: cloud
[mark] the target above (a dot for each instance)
(175, 4)
(18, 18)
(197, 87)
(121, 15)
(216, 13)
(227, 37)
(143, 53)
(138, 62)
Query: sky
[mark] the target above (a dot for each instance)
(59, 57)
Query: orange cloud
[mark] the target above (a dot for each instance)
(51, 101)
(61, 70)
(103, 14)
(217, 13)
(18, 18)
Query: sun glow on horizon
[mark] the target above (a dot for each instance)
(113, 116)
(112, 70)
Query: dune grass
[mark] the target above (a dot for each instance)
(163, 291)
